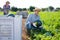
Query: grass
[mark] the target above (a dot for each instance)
(11, 12)
(51, 22)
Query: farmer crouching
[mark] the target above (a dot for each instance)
(33, 18)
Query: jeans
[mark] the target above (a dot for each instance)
(30, 26)
(5, 13)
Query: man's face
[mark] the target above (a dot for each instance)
(7, 3)
(37, 12)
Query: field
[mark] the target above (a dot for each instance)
(51, 22)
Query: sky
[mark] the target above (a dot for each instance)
(28, 3)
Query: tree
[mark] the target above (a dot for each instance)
(20, 9)
(50, 8)
(31, 8)
(44, 9)
(1, 9)
(24, 9)
(57, 9)
(14, 9)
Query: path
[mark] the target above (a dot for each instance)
(24, 32)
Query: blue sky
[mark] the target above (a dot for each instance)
(36, 3)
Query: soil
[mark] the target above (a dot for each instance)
(24, 31)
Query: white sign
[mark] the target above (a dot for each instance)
(11, 28)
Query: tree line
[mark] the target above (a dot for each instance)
(50, 8)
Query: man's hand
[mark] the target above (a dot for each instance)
(34, 24)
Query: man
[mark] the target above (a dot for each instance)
(25, 13)
(6, 8)
(32, 18)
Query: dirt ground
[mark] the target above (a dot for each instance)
(24, 32)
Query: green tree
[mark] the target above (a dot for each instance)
(24, 9)
(14, 9)
(20, 9)
(50, 8)
(1, 9)
(31, 8)
(57, 9)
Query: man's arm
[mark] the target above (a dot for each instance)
(9, 7)
(4, 7)
(29, 19)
